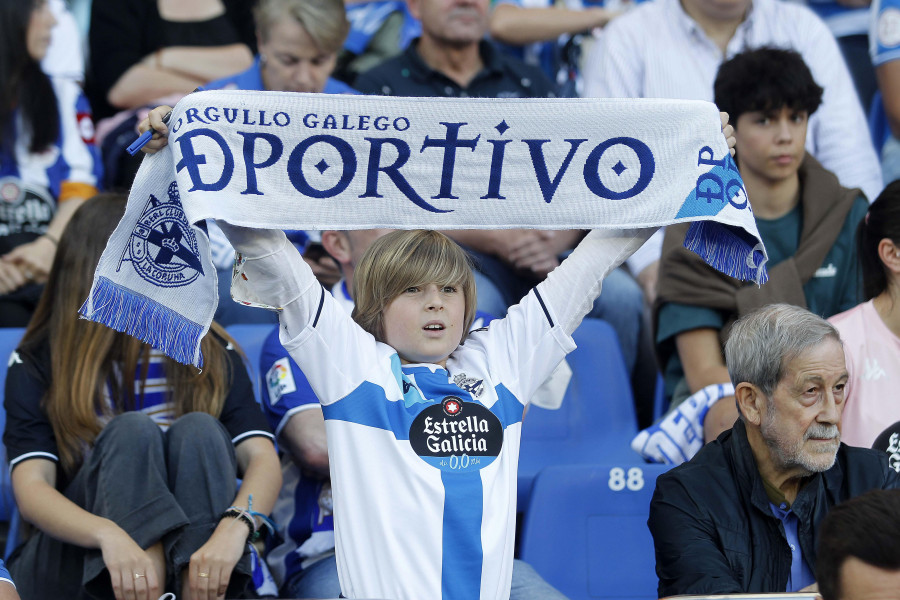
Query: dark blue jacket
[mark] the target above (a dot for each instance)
(713, 528)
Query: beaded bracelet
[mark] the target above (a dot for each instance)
(235, 512)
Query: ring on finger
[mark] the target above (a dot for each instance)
(201, 574)
(139, 575)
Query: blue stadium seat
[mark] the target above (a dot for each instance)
(597, 418)
(9, 339)
(251, 339)
(586, 530)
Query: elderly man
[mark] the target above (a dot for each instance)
(742, 515)
(859, 549)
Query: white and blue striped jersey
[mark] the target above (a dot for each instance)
(423, 459)
(303, 510)
(32, 184)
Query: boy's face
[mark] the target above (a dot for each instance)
(425, 324)
(770, 145)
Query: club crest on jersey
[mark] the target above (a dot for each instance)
(163, 248)
(470, 384)
(457, 436)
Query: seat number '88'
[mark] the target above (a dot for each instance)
(618, 480)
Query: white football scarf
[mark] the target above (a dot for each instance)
(316, 161)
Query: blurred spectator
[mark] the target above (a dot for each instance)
(452, 59)
(7, 587)
(144, 50)
(548, 34)
(743, 515)
(884, 40)
(871, 331)
(48, 164)
(806, 220)
(65, 56)
(848, 21)
(379, 30)
(123, 460)
(298, 45)
(673, 48)
(889, 441)
(859, 549)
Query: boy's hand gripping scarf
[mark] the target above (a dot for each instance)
(315, 161)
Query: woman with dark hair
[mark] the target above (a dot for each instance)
(48, 164)
(123, 460)
(871, 331)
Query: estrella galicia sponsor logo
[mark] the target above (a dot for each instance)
(24, 209)
(163, 248)
(457, 436)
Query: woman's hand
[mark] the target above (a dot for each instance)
(131, 569)
(161, 131)
(33, 259)
(11, 277)
(211, 565)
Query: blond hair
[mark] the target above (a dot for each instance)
(324, 20)
(404, 259)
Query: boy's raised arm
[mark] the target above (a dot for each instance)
(273, 274)
(571, 288)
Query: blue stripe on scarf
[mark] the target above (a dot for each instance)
(156, 324)
(727, 250)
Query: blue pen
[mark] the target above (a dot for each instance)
(139, 143)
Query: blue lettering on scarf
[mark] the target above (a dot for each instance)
(276, 147)
(449, 144)
(295, 166)
(190, 160)
(493, 192)
(393, 172)
(592, 166)
(716, 188)
(536, 148)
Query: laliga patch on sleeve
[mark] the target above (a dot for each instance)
(889, 27)
(280, 380)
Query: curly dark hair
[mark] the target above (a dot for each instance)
(765, 79)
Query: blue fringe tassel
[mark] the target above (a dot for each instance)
(166, 330)
(727, 249)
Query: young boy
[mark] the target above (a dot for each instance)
(423, 429)
(805, 218)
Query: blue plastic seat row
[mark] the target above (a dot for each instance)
(586, 530)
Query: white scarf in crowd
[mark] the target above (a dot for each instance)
(316, 161)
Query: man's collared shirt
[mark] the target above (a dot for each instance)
(801, 575)
(501, 77)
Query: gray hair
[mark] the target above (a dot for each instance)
(324, 20)
(763, 342)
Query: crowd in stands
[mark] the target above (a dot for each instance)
(109, 441)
